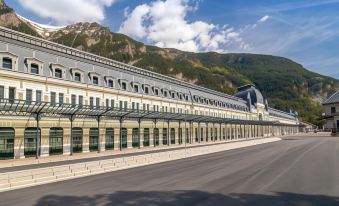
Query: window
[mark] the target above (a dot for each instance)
(123, 86)
(38, 96)
(91, 102)
(125, 106)
(97, 102)
(2, 92)
(73, 100)
(61, 98)
(165, 93)
(156, 92)
(58, 73)
(135, 137)
(109, 140)
(81, 99)
(186, 97)
(53, 98)
(112, 103)
(93, 139)
(146, 137)
(146, 90)
(123, 142)
(34, 68)
(173, 95)
(107, 103)
(110, 83)
(28, 96)
(120, 105)
(136, 88)
(77, 77)
(95, 80)
(56, 141)
(333, 110)
(7, 63)
(164, 136)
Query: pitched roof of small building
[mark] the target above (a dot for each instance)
(334, 98)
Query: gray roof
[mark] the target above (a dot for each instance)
(281, 114)
(334, 98)
(255, 94)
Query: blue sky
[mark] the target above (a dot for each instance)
(303, 30)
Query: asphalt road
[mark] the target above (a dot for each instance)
(297, 171)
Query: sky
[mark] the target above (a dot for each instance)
(305, 31)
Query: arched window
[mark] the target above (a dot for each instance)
(93, 139)
(56, 140)
(77, 134)
(30, 136)
(7, 143)
(109, 140)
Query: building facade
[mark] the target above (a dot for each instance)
(56, 100)
(331, 110)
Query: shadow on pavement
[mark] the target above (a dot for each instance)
(189, 198)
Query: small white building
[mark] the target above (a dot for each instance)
(331, 107)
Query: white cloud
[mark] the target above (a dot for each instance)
(68, 11)
(264, 19)
(164, 24)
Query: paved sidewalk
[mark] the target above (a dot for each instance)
(30, 175)
(42, 162)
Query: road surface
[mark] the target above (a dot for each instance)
(297, 171)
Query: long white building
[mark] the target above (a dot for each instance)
(56, 100)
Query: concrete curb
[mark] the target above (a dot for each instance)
(28, 178)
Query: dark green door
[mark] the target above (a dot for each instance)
(164, 136)
(109, 140)
(123, 137)
(93, 139)
(172, 134)
(146, 137)
(135, 137)
(56, 141)
(156, 136)
(77, 134)
(30, 142)
(6, 143)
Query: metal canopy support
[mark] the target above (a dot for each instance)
(155, 126)
(139, 122)
(98, 118)
(71, 118)
(37, 117)
(120, 121)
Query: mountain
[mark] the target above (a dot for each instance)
(286, 84)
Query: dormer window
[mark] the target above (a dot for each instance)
(136, 88)
(77, 77)
(110, 83)
(156, 92)
(58, 73)
(165, 94)
(7, 63)
(34, 65)
(146, 90)
(186, 97)
(95, 80)
(34, 68)
(123, 86)
(173, 95)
